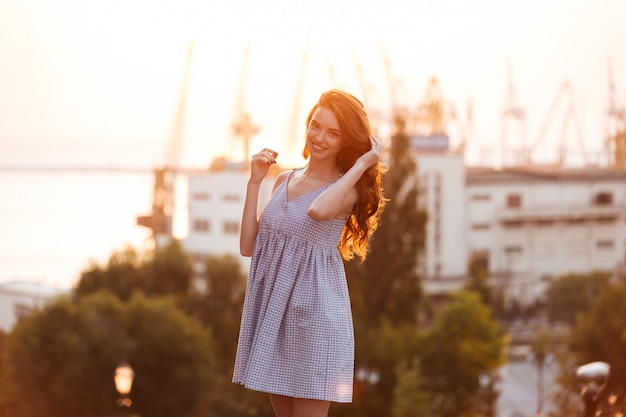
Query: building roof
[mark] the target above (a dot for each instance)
(32, 289)
(477, 175)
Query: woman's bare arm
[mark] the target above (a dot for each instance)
(338, 199)
(259, 164)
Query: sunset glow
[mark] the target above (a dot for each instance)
(80, 76)
(98, 83)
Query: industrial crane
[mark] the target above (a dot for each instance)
(293, 125)
(513, 119)
(569, 120)
(160, 221)
(434, 118)
(616, 126)
(242, 127)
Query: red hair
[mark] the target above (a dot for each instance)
(355, 133)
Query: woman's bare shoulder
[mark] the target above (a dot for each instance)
(281, 177)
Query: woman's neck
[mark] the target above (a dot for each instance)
(322, 171)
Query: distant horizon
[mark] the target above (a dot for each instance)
(99, 82)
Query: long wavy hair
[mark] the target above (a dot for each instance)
(355, 133)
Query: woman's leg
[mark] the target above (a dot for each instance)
(283, 406)
(298, 407)
(310, 408)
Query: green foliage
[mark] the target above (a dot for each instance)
(65, 355)
(385, 290)
(166, 271)
(566, 400)
(219, 308)
(122, 275)
(574, 293)
(169, 271)
(410, 397)
(463, 342)
(479, 280)
(389, 286)
(600, 334)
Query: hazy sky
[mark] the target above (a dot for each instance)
(95, 82)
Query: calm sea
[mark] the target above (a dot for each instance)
(53, 224)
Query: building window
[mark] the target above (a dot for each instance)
(231, 197)
(544, 223)
(513, 250)
(201, 225)
(513, 200)
(481, 226)
(513, 223)
(231, 228)
(604, 244)
(201, 196)
(603, 199)
(481, 197)
(605, 220)
(22, 310)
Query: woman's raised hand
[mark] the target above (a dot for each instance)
(372, 156)
(261, 162)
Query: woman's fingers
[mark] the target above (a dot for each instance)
(266, 155)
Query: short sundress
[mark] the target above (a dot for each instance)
(296, 337)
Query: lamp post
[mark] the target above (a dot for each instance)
(123, 378)
(489, 382)
(592, 379)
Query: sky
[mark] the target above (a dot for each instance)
(86, 82)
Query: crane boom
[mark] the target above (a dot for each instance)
(160, 221)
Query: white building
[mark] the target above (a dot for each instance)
(215, 206)
(18, 299)
(442, 194)
(528, 225)
(531, 224)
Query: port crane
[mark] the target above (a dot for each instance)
(160, 220)
(569, 120)
(616, 126)
(513, 122)
(242, 127)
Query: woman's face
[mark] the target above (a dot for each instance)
(323, 136)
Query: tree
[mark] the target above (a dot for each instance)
(541, 344)
(385, 289)
(600, 335)
(167, 270)
(410, 397)
(219, 310)
(122, 275)
(463, 343)
(67, 351)
(479, 280)
(389, 285)
(574, 293)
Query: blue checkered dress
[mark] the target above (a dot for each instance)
(296, 337)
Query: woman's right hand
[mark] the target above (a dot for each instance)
(372, 156)
(260, 164)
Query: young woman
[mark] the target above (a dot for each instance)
(296, 340)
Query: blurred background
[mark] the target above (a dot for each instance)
(97, 85)
(116, 114)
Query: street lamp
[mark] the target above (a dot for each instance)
(592, 378)
(123, 378)
(489, 382)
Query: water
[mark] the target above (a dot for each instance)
(53, 224)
